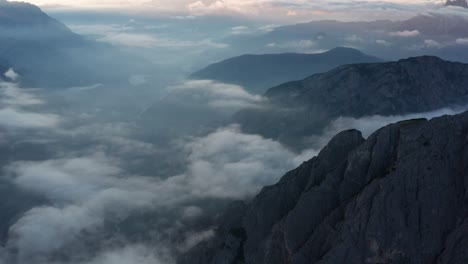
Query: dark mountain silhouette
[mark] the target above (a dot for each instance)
(257, 73)
(397, 197)
(303, 108)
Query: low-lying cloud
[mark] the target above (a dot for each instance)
(16, 112)
(369, 124)
(214, 94)
(405, 33)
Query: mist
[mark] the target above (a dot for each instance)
(110, 153)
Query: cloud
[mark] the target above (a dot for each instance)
(11, 74)
(132, 254)
(139, 40)
(429, 43)
(383, 42)
(88, 192)
(132, 34)
(13, 118)
(214, 94)
(239, 30)
(354, 38)
(230, 164)
(405, 33)
(194, 239)
(14, 113)
(304, 45)
(13, 96)
(369, 124)
(138, 80)
(272, 10)
(84, 193)
(462, 41)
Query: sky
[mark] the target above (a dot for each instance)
(258, 8)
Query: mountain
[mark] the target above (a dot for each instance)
(49, 55)
(428, 34)
(257, 73)
(460, 3)
(15, 17)
(301, 109)
(35, 44)
(398, 197)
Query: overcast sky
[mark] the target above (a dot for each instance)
(276, 8)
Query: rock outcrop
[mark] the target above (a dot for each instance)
(398, 197)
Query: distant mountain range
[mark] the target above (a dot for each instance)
(397, 197)
(304, 108)
(460, 3)
(257, 73)
(434, 34)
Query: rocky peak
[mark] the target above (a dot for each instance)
(398, 197)
(413, 85)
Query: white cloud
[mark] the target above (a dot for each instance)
(369, 124)
(462, 41)
(405, 33)
(150, 41)
(429, 43)
(11, 74)
(213, 94)
(304, 45)
(14, 114)
(14, 118)
(84, 192)
(132, 254)
(87, 191)
(273, 10)
(383, 42)
(355, 38)
(13, 96)
(194, 239)
(230, 164)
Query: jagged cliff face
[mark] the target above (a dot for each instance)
(304, 108)
(398, 197)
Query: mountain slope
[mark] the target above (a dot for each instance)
(304, 108)
(260, 72)
(398, 197)
(23, 22)
(49, 55)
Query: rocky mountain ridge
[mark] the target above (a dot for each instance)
(398, 197)
(304, 108)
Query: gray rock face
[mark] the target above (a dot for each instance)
(303, 108)
(398, 197)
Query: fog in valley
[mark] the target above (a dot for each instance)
(110, 152)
